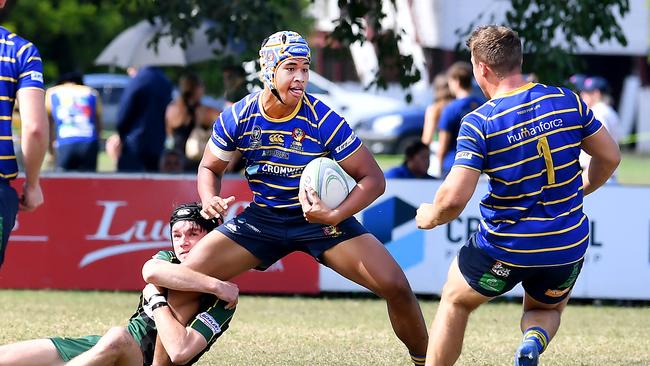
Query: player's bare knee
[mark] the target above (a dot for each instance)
(395, 288)
(115, 341)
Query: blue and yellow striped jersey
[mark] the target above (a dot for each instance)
(277, 150)
(528, 141)
(20, 67)
(74, 110)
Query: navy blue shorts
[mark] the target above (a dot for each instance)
(272, 233)
(8, 211)
(490, 277)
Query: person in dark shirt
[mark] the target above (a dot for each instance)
(416, 163)
(141, 120)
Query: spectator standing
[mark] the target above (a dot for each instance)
(22, 79)
(442, 97)
(416, 163)
(183, 112)
(460, 83)
(75, 112)
(141, 120)
(595, 92)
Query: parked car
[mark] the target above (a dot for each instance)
(390, 132)
(110, 88)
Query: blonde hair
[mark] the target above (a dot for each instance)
(498, 47)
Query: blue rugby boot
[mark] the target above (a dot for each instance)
(527, 354)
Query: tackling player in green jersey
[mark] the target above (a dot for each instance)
(134, 344)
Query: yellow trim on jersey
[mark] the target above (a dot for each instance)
(560, 200)
(489, 102)
(543, 250)
(474, 128)
(350, 154)
(504, 220)
(518, 208)
(467, 167)
(283, 149)
(307, 120)
(591, 120)
(311, 106)
(531, 158)
(531, 120)
(8, 59)
(234, 115)
(6, 98)
(598, 130)
(324, 118)
(524, 105)
(5, 118)
(8, 176)
(33, 58)
(280, 164)
(542, 265)
(8, 43)
(533, 175)
(537, 192)
(478, 114)
(466, 138)
(23, 48)
(224, 128)
(249, 117)
(533, 235)
(288, 205)
(7, 157)
(335, 131)
(7, 78)
(283, 119)
(579, 104)
(514, 91)
(249, 100)
(533, 139)
(4, 138)
(533, 218)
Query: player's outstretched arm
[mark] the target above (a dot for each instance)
(605, 157)
(182, 278)
(181, 343)
(34, 143)
(450, 200)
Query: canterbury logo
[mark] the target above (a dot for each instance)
(276, 139)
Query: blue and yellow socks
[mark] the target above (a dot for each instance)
(539, 336)
(418, 360)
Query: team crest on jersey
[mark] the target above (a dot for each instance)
(256, 137)
(332, 231)
(499, 270)
(298, 135)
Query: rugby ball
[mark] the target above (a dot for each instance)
(328, 179)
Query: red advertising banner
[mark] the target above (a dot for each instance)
(96, 232)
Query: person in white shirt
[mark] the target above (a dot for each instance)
(594, 91)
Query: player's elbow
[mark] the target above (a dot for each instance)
(181, 355)
(150, 273)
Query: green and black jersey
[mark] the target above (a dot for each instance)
(211, 321)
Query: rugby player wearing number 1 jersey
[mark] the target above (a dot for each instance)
(278, 131)
(526, 139)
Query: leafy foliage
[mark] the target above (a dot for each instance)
(551, 31)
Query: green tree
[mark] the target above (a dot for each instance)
(68, 33)
(551, 31)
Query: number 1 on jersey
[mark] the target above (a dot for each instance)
(544, 150)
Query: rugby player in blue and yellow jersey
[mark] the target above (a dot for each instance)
(278, 131)
(21, 78)
(526, 139)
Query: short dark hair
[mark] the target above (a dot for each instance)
(413, 149)
(71, 77)
(498, 47)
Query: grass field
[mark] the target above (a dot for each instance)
(335, 331)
